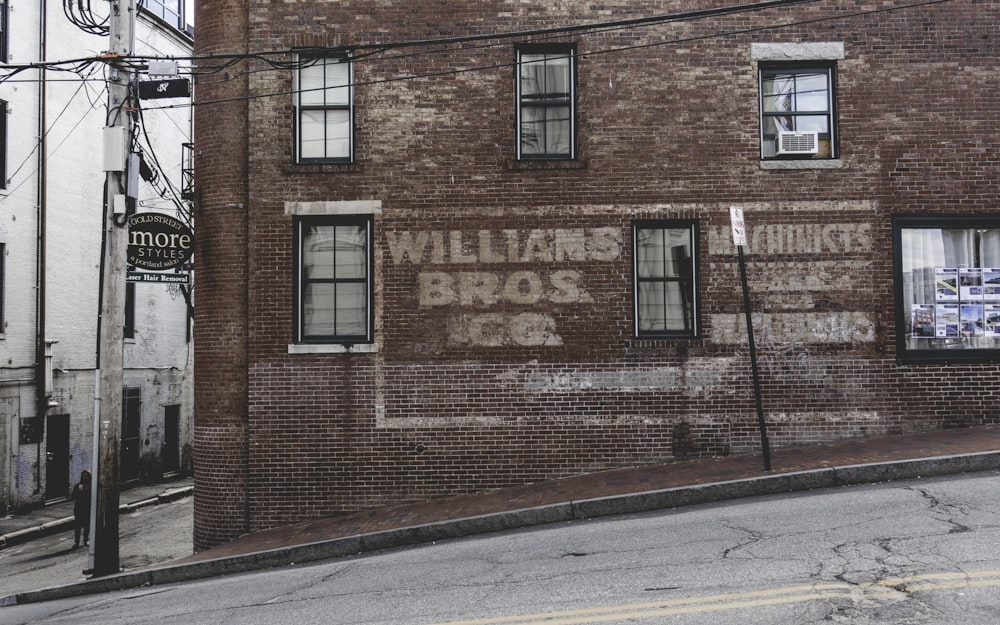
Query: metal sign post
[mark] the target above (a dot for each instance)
(740, 239)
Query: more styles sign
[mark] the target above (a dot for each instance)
(158, 242)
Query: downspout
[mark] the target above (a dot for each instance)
(42, 400)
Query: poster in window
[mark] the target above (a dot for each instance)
(992, 319)
(946, 318)
(970, 284)
(922, 321)
(991, 284)
(946, 282)
(971, 320)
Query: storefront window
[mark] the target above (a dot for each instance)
(948, 288)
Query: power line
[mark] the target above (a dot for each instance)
(456, 71)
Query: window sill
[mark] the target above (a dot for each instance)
(806, 163)
(542, 164)
(332, 348)
(323, 168)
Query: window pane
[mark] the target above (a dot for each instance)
(778, 94)
(545, 130)
(317, 252)
(545, 76)
(338, 134)
(325, 134)
(811, 93)
(811, 122)
(350, 253)
(337, 83)
(650, 256)
(352, 309)
(312, 134)
(312, 84)
(951, 288)
(319, 307)
(532, 130)
(652, 307)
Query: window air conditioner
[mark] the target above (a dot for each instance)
(797, 142)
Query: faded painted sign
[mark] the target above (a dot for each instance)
(483, 289)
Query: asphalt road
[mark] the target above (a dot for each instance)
(147, 536)
(918, 552)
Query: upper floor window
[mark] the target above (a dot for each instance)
(334, 292)
(797, 111)
(171, 11)
(947, 288)
(665, 299)
(323, 104)
(546, 82)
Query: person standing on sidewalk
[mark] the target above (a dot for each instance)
(81, 510)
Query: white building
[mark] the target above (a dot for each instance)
(51, 204)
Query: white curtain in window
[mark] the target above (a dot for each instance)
(663, 305)
(950, 299)
(546, 111)
(335, 291)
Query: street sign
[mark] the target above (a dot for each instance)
(172, 88)
(739, 226)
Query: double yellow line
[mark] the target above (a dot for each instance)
(893, 589)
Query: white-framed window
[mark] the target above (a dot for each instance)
(170, 11)
(665, 255)
(797, 111)
(333, 285)
(546, 102)
(324, 125)
(947, 282)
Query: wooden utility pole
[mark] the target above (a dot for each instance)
(117, 132)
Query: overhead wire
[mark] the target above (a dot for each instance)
(486, 67)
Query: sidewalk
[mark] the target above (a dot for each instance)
(680, 483)
(43, 521)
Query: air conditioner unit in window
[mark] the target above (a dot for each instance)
(797, 142)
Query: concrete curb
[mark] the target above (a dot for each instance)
(523, 518)
(66, 523)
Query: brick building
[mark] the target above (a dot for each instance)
(452, 246)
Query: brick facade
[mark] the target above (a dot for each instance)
(503, 288)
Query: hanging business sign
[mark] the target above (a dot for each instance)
(158, 242)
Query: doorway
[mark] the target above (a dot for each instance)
(131, 414)
(56, 457)
(171, 438)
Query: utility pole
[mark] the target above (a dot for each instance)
(117, 133)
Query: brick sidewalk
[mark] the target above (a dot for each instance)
(680, 473)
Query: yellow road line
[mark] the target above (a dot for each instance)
(882, 589)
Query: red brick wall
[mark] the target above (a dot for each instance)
(668, 128)
(220, 327)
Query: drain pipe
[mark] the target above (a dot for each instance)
(42, 400)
